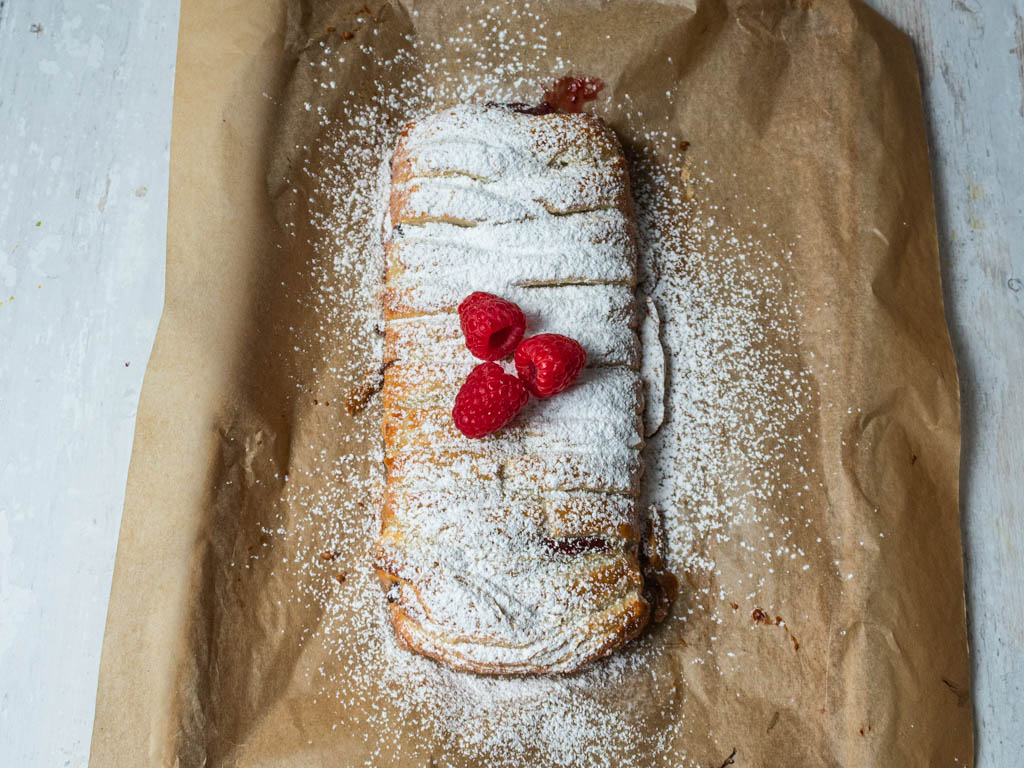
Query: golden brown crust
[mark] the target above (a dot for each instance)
(517, 553)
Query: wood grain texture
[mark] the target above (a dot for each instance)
(85, 104)
(85, 108)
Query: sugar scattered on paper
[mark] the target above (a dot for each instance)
(737, 385)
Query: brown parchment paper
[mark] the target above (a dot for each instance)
(817, 100)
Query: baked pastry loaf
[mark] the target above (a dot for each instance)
(519, 552)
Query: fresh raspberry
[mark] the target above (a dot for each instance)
(488, 400)
(549, 362)
(492, 326)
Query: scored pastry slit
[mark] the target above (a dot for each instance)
(516, 553)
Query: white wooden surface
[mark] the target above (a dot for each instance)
(85, 105)
(85, 110)
(971, 58)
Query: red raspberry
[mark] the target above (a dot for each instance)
(492, 326)
(488, 400)
(549, 362)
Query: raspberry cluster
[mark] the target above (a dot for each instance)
(546, 364)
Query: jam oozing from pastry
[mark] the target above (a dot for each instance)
(531, 109)
(570, 93)
(577, 546)
(567, 94)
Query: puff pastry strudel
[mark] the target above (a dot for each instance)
(517, 553)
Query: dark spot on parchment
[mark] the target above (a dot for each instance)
(1013, 283)
(760, 617)
(913, 459)
(962, 696)
(36, 29)
(734, 606)
(773, 722)
(729, 760)
(360, 396)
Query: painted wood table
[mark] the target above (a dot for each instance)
(85, 108)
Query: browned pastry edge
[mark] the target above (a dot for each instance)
(623, 626)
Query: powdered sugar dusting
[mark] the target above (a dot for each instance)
(478, 576)
(736, 382)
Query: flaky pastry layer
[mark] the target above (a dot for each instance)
(517, 553)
